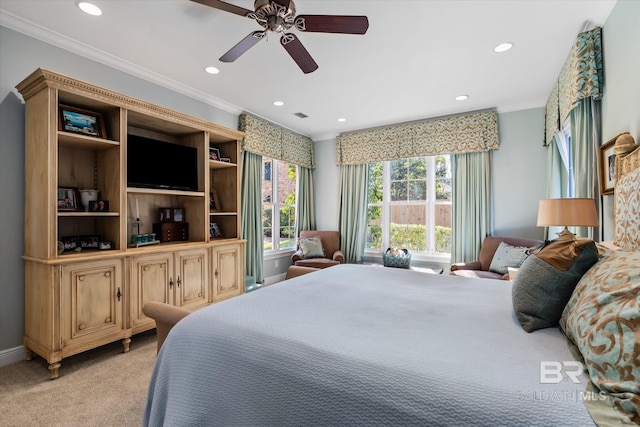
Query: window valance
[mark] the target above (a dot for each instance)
(581, 77)
(464, 133)
(270, 140)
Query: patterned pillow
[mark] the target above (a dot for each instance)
(507, 256)
(546, 280)
(627, 211)
(311, 247)
(602, 319)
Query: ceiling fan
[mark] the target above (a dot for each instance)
(279, 16)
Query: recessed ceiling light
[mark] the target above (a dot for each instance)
(462, 97)
(211, 70)
(89, 8)
(278, 103)
(503, 47)
(342, 119)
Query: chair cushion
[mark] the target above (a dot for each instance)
(311, 247)
(330, 240)
(507, 256)
(317, 262)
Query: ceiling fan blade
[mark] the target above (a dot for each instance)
(292, 44)
(244, 45)
(227, 7)
(332, 24)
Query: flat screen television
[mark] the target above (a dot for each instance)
(162, 165)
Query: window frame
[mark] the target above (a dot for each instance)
(430, 213)
(275, 208)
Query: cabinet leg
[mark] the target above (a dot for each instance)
(29, 355)
(53, 367)
(125, 344)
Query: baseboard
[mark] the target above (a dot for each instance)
(274, 279)
(12, 355)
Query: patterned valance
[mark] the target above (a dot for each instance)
(580, 78)
(270, 140)
(458, 134)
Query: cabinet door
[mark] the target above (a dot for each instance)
(92, 301)
(228, 273)
(192, 278)
(152, 279)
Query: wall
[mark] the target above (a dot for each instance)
(20, 55)
(621, 101)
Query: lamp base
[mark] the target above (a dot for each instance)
(566, 235)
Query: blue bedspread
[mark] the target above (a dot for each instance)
(362, 345)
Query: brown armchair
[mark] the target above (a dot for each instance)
(166, 316)
(330, 245)
(480, 268)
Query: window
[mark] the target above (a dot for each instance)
(279, 185)
(410, 205)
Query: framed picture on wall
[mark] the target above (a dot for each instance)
(607, 167)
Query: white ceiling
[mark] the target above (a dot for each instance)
(416, 57)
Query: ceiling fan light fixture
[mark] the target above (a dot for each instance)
(211, 70)
(89, 8)
(462, 97)
(503, 47)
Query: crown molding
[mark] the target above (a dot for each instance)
(38, 32)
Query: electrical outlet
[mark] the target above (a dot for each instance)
(276, 263)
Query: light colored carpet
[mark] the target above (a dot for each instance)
(100, 387)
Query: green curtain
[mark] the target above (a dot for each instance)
(352, 211)
(252, 230)
(558, 179)
(585, 130)
(306, 218)
(471, 204)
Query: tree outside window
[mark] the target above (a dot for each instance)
(279, 204)
(410, 205)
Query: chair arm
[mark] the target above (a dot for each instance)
(473, 265)
(297, 256)
(296, 270)
(338, 256)
(166, 316)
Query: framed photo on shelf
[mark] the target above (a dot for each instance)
(214, 202)
(225, 159)
(607, 166)
(68, 198)
(214, 154)
(214, 230)
(89, 242)
(99, 206)
(77, 120)
(178, 215)
(69, 243)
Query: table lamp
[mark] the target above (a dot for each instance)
(567, 213)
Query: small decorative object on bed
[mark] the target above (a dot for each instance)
(394, 257)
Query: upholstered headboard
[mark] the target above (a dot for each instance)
(627, 199)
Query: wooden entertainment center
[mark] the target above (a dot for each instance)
(79, 297)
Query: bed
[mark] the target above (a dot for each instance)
(362, 345)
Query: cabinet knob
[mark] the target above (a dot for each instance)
(178, 282)
(216, 272)
(119, 294)
(81, 326)
(170, 282)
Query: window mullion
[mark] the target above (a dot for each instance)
(431, 198)
(386, 200)
(275, 214)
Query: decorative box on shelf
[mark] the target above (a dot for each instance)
(171, 231)
(394, 257)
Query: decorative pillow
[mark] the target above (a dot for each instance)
(507, 256)
(311, 247)
(546, 280)
(627, 211)
(602, 319)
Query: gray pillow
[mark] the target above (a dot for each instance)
(546, 280)
(311, 247)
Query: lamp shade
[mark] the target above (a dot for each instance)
(567, 212)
